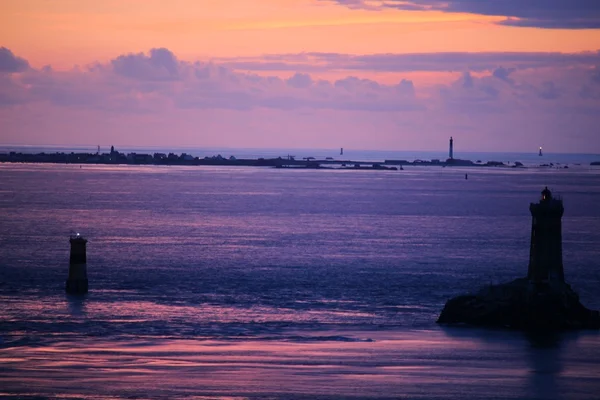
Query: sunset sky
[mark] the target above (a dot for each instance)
(502, 75)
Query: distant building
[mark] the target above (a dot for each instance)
(136, 158)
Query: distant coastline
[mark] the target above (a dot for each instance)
(115, 157)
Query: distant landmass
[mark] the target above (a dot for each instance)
(160, 158)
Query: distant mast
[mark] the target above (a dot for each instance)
(451, 152)
(540, 153)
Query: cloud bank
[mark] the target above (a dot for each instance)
(137, 82)
(494, 100)
(430, 62)
(560, 14)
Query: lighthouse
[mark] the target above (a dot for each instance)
(545, 251)
(77, 282)
(451, 151)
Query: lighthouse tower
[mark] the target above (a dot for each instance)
(77, 282)
(545, 254)
(451, 150)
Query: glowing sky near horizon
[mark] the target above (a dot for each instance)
(507, 76)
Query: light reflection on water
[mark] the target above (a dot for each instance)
(432, 363)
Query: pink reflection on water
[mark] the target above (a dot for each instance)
(206, 313)
(407, 363)
(142, 311)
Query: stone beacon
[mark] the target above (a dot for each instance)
(77, 282)
(542, 301)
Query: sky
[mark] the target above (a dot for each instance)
(509, 75)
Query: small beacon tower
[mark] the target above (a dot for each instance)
(545, 254)
(77, 282)
(451, 151)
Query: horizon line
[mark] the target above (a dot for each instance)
(92, 148)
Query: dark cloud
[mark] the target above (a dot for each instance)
(161, 64)
(11, 93)
(587, 92)
(467, 80)
(11, 63)
(490, 91)
(202, 71)
(442, 62)
(596, 75)
(406, 88)
(300, 81)
(563, 14)
(352, 84)
(503, 73)
(231, 100)
(548, 91)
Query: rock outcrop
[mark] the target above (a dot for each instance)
(521, 305)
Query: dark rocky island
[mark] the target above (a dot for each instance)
(540, 301)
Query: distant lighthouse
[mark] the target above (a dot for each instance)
(451, 152)
(77, 282)
(545, 252)
(540, 153)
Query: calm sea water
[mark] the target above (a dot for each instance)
(263, 283)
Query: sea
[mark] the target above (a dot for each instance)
(261, 283)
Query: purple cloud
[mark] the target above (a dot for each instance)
(467, 80)
(561, 14)
(300, 81)
(442, 62)
(140, 83)
(548, 91)
(352, 84)
(161, 64)
(406, 88)
(137, 82)
(10, 63)
(596, 75)
(503, 74)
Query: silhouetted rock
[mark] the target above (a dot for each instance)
(522, 305)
